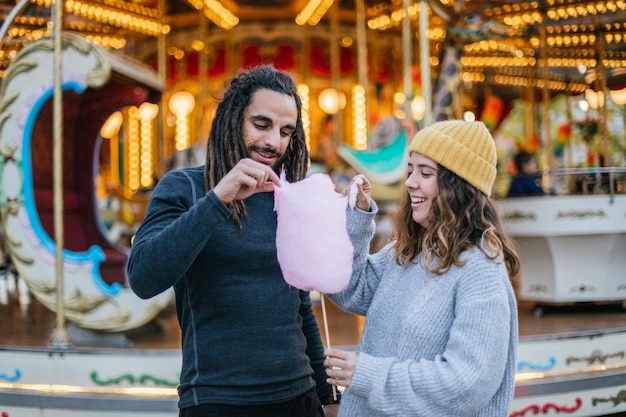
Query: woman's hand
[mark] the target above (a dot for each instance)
(363, 191)
(246, 178)
(340, 366)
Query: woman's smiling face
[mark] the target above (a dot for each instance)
(422, 186)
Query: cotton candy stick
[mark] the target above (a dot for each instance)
(327, 337)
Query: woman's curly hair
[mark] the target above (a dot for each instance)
(461, 217)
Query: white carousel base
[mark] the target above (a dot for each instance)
(97, 383)
(581, 375)
(571, 247)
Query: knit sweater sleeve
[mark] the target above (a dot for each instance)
(367, 269)
(179, 220)
(463, 379)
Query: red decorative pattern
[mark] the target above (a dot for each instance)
(536, 409)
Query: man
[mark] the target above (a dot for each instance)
(251, 344)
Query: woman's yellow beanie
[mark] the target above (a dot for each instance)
(465, 148)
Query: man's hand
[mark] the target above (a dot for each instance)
(246, 178)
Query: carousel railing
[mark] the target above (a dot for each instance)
(594, 180)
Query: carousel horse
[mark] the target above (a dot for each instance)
(95, 84)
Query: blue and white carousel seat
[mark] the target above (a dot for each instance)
(95, 84)
(384, 165)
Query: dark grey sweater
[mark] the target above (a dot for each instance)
(247, 336)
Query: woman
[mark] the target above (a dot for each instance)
(440, 337)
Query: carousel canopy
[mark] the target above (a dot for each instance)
(504, 46)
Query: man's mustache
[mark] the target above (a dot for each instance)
(266, 150)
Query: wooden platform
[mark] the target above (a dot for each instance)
(32, 326)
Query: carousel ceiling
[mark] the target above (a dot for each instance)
(568, 45)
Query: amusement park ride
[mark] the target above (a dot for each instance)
(133, 99)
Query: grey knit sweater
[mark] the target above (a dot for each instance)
(432, 346)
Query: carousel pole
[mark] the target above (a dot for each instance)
(425, 63)
(547, 148)
(361, 40)
(203, 67)
(407, 59)
(60, 338)
(335, 71)
(162, 71)
(602, 111)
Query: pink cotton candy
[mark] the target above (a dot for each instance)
(313, 247)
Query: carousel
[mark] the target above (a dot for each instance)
(98, 99)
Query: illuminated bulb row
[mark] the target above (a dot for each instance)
(307, 11)
(498, 61)
(117, 13)
(216, 12)
(585, 39)
(220, 15)
(113, 4)
(571, 62)
(436, 33)
(525, 19)
(600, 7)
(147, 113)
(614, 63)
(304, 93)
(616, 26)
(181, 131)
(313, 12)
(539, 83)
(29, 35)
(30, 20)
(141, 23)
(109, 42)
(26, 36)
(387, 21)
(133, 149)
(589, 39)
(526, 13)
(359, 117)
(320, 12)
(469, 76)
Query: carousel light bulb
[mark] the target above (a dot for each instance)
(418, 107)
(595, 99)
(618, 96)
(583, 105)
(182, 101)
(469, 116)
(331, 101)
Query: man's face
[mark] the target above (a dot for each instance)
(268, 124)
